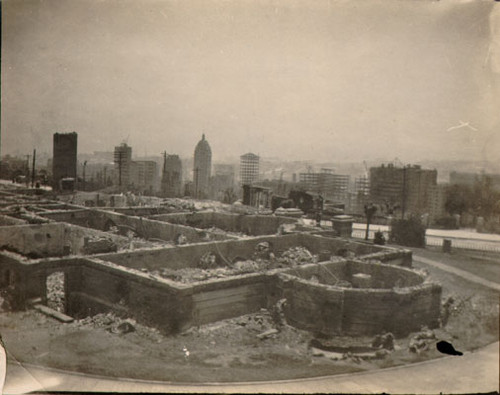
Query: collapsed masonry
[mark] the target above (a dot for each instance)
(330, 285)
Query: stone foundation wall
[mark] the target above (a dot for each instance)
(5, 220)
(253, 225)
(110, 282)
(143, 227)
(35, 240)
(348, 311)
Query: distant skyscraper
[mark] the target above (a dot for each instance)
(171, 181)
(249, 168)
(327, 183)
(123, 161)
(143, 176)
(202, 168)
(409, 188)
(64, 157)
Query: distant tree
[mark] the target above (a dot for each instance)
(379, 238)
(229, 196)
(458, 199)
(485, 200)
(370, 210)
(391, 207)
(408, 232)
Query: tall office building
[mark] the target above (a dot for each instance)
(202, 168)
(410, 188)
(64, 158)
(123, 163)
(249, 168)
(327, 183)
(171, 180)
(144, 176)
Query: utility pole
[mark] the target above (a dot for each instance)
(196, 171)
(403, 203)
(118, 157)
(33, 170)
(28, 170)
(84, 166)
(120, 170)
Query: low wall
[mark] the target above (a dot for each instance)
(139, 211)
(189, 255)
(74, 237)
(227, 251)
(253, 225)
(33, 240)
(399, 256)
(80, 217)
(103, 287)
(382, 276)
(332, 310)
(143, 227)
(162, 303)
(52, 239)
(6, 220)
(111, 282)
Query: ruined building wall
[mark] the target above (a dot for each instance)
(353, 311)
(34, 240)
(253, 225)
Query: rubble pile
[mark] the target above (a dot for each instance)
(118, 325)
(421, 341)
(98, 244)
(55, 291)
(297, 256)
(262, 324)
(191, 274)
(210, 265)
(217, 231)
(178, 205)
(208, 261)
(354, 349)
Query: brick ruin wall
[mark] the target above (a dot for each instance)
(51, 239)
(112, 283)
(326, 309)
(143, 227)
(252, 225)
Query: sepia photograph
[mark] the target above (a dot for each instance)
(250, 196)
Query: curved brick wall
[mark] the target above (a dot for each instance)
(335, 310)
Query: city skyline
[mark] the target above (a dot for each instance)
(330, 81)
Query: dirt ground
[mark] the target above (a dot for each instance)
(232, 351)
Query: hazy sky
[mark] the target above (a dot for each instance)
(297, 79)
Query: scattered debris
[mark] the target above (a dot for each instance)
(53, 313)
(446, 310)
(277, 313)
(117, 325)
(384, 341)
(331, 349)
(186, 352)
(98, 244)
(421, 341)
(262, 250)
(55, 291)
(268, 333)
(181, 240)
(208, 261)
(123, 328)
(296, 256)
(208, 265)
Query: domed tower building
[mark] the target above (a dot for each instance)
(202, 168)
